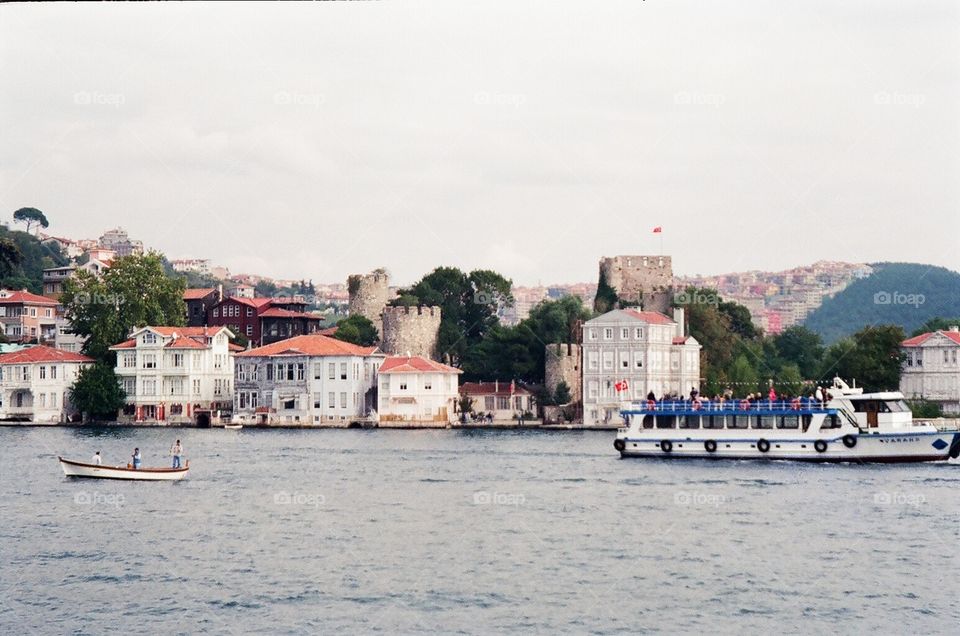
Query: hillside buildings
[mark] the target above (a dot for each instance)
(306, 380)
(176, 375)
(417, 391)
(35, 384)
(931, 368)
(628, 353)
(118, 241)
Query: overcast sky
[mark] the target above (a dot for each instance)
(320, 139)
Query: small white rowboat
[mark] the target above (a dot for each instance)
(233, 427)
(81, 469)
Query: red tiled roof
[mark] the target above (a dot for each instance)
(310, 345)
(919, 340)
(414, 364)
(490, 388)
(23, 296)
(680, 340)
(197, 293)
(329, 331)
(185, 336)
(235, 347)
(250, 302)
(277, 312)
(652, 317)
(40, 353)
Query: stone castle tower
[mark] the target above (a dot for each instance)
(411, 330)
(369, 294)
(563, 365)
(644, 279)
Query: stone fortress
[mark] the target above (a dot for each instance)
(563, 365)
(403, 330)
(647, 280)
(369, 294)
(411, 331)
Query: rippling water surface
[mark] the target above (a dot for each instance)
(469, 532)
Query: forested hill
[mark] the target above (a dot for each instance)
(25, 270)
(905, 294)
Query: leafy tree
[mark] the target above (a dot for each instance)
(97, 392)
(743, 376)
(469, 305)
(27, 272)
(802, 347)
(606, 297)
(266, 288)
(10, 256)
(31, 217)
(358, 330)
(740, 321)
(871, 356)
(926, 409)
(562, 394)
(134, 292)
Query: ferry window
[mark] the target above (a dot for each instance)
(713, 421)
(689, 421)
(647, 421)
(667, 421)
(831, 421)
(764, 421)
(738, 421)
(789, 421)
(896, 406)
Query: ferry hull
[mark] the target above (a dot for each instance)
(869, 448)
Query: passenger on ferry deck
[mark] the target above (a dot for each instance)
(818, 395)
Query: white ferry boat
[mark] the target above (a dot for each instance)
(851, 427)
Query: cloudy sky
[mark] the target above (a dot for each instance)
(315, 140)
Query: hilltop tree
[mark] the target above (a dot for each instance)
(134, 292)
(359, 330)
(31, 217)
(469, 305)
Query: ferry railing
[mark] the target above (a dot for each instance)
(731, 406)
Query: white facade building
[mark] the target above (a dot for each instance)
(306, 381)
(931, 368)
(628, 353)
(176, 375)
(415, 390)
(35, 384)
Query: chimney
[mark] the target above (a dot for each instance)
(678, 316)
(954, 328)
(496, 386)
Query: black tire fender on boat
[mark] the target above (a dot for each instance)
(619, 444)
(710, 445)
(763, 445)
(666, 446)
(820, 445)
(849, 441)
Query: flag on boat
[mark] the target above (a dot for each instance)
(658, 229)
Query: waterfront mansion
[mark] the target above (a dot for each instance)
(306, 381)
(176, 375)
(35, 384)
(931, 368)
(628, 353)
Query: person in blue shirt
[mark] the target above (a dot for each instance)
(136, 459)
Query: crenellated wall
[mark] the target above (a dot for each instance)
(411, 331)
(369, 294)
(644, 279)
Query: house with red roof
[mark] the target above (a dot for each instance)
(264, 320)
(628, 353)
(931, 368)
(198, 301)
(416, 391)
(27, 317)
(176, 375)
(35, 384)
(307, 380)
(499, 401)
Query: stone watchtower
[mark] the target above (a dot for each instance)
(644, 279)
(411, 330)
(562, 364)
(369, 294)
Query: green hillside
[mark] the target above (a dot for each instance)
(905, 294)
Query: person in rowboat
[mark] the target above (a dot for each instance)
(136, 459)
(96, 458)
(176, 451)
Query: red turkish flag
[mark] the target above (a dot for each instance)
(621, 386)
(657, 230)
